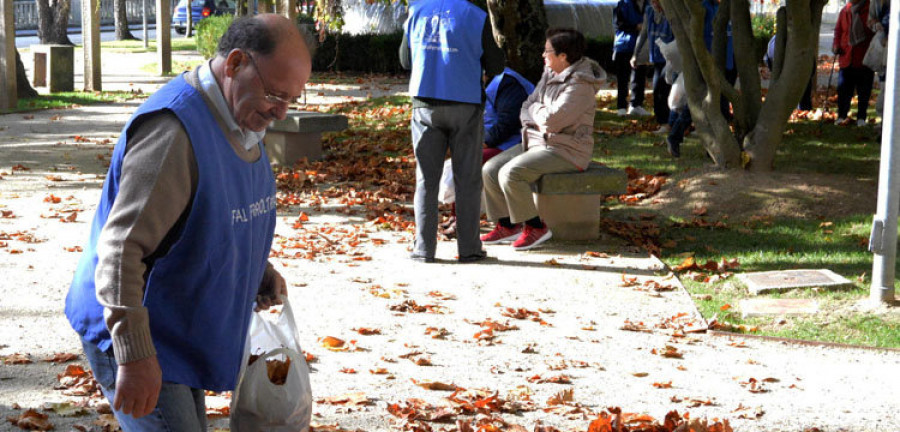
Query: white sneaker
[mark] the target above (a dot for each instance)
(861, 123)
(638, 111)
(622, 112)
(663, 130)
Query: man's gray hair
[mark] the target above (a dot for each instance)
(248, 34)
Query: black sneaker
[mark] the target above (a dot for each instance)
(481, 256)
(421, 258)
(674, 149)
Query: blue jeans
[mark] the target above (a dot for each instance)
(180, 408)
(679, 122)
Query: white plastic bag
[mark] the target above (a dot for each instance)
(260, 405)
(447, 190)
(875, 57)
(677, 96)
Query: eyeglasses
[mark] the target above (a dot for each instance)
(549, 51)
(271, 98)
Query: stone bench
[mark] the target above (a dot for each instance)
(569, 203)
(299, 136)
(54, 67)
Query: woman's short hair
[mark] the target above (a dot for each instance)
(567, 41)
(247, 34)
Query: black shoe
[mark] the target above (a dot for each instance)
(481, 256)
(674, 149)
(421, 258)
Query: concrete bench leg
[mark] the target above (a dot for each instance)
(571, 216)
(285, 148)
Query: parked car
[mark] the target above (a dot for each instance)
(200, 9)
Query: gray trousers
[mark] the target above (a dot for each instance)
(459, 128)
(509, 176)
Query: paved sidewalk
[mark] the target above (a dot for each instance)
(575, 308)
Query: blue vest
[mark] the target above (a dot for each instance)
(490, 115)
(445, 45)
(200, 294)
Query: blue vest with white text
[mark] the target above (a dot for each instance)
(199, 294)
(445, 48)
(490, 115)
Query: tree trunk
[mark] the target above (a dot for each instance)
(53, 21)
(704, 79)
(519, 27)
(23, 87)
(804, 18)
(121, 18)
(188, 19)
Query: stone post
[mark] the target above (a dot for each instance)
(8, 97)
(90, 32)
(164, 37)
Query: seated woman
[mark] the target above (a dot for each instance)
(557, 136)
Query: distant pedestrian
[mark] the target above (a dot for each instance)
(628, 20)
(447, 44)
(656, 28)
(851, 41)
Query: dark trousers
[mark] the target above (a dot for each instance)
(854, 80)
(679, 122)
(660, 94)
(806, 100)
(627, 77)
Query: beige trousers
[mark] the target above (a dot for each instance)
(509, 177)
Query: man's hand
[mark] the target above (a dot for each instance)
(837, 50)
(271, 290)
(633, 62)
(137, 387)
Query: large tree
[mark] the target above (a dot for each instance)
(121, 18)
(53, 21)
(519, 27)
(23, 87)
(759, 124)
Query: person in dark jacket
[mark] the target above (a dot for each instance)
(656, 28)
(628, 20)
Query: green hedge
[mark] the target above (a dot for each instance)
(361, 53)
(209, 31)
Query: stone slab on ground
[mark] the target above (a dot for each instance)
(761, 307)
(781, 280)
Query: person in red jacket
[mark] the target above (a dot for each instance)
(851, 40)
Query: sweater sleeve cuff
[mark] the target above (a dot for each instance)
(133, 347)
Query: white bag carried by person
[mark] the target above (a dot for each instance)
(447, 190)
(677, 95)
(258, 403)
(876, 57)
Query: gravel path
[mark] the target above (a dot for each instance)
(574, 305)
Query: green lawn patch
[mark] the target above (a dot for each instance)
(137, 46)
(178, 66)
(73, 99)
(800, 223)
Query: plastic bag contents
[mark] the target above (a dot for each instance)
(273, 393)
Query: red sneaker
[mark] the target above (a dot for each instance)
(502, 234)
(532, 237)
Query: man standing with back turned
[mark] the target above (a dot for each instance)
(447, 43)
(179, 246)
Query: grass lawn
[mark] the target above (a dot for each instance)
(137, 46)
(72, 99)
(759, 241)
